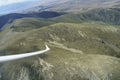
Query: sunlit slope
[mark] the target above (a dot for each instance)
(85, 51)
(107, 15)
(62, 64)
(25, 24)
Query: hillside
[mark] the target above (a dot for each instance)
(108, 15)
(85, 51)
(83, 37)
(13, 16)
(74, 6)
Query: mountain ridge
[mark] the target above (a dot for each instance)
(91, 39)
(74, 6)
(84, 41)
(11, 17)
(108, 15)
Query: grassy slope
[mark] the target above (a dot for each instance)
(108, 15)
(81, 48)
(26, 24)
(98, 42)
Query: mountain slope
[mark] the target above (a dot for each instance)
(74, 6)
(86, 51)
(11, 17)
(25, 24)
(108, 15)
(84, 43)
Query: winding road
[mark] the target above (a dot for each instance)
(20, 56)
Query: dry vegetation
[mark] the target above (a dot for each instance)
(98, 42)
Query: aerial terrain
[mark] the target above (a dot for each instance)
(83, 37)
